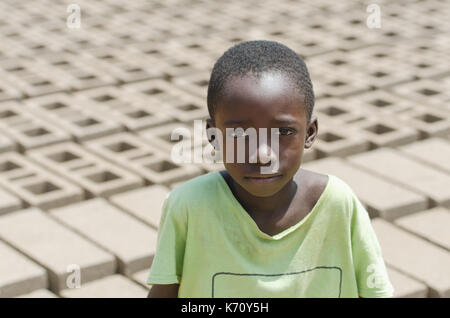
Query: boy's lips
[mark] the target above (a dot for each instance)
(263, 178)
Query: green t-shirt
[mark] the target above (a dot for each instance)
(211, 246)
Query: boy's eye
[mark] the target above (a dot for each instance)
(238, 133)
(281, 131)
(286, 131)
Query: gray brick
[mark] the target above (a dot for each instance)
(428, 121)
(415, 257)
(380, 102)
(338, 111)
(32, 80)
(405, 286)
(41, 293)
(332, 141)
(143, 159)
(141, 278)
(9, 202)
(432, 225)
(26, 129)
(132, 242)
(390, 201)
(426, 91)
(195, 84)
(8, 91)
(170, 100)
(157, 92)
(122, 107)
(339, 84)
(18, 274)
(82, 74)
(6, 143)
(98, 176)
(123, 67)
(434, 152)
(145, 203)
(35, 185)
(161, 136)
(411, 174)
(54, 247)
(115, 286)
(74, 115)
(382, 131)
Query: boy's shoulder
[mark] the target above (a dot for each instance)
(335, 190)
(318, 182)
(197, 188)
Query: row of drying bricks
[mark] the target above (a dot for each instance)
(105, 66)
(368, 118)
(404, 190)
(118, 161)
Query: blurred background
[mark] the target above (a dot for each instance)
(90, 92)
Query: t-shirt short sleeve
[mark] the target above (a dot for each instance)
(370, 270)
(168, 260)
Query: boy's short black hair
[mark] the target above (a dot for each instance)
(256, 57)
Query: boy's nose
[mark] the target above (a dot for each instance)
(264, 154)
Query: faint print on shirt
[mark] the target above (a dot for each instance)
(301, 282)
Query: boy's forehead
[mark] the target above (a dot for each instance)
(270, 91)
(267, 84)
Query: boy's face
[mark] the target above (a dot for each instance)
(268, 102)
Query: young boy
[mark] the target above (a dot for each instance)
(244, 233)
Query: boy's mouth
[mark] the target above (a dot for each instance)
(263, 179)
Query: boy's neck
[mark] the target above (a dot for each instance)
(271, 205)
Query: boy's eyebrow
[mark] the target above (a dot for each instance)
(285, 120)
(235, 121)
(281, 120)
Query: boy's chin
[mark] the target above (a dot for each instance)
(262, 190)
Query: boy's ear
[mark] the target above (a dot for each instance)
(210, 124)
(311, 131)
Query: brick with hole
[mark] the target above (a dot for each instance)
(143, 158)
(75, 115)
(94, 174)
(123, 107)
(428, 92)
(26, 129)
(334, 141)
(428, 121)
(34, 184)
(380, 102)
(338, 111)
(382, 131)
(6, 143)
